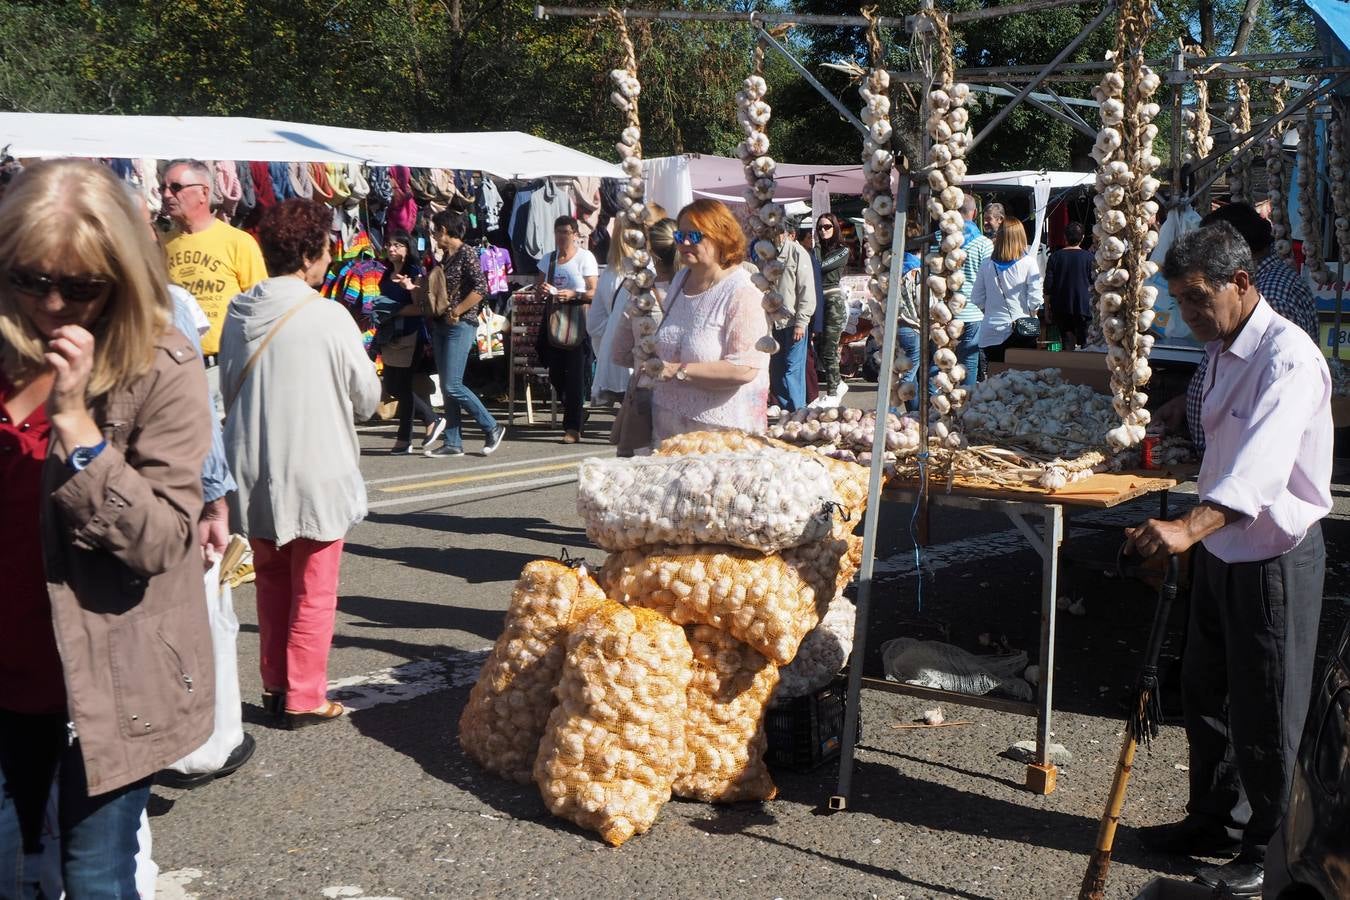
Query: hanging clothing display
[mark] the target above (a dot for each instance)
(403, 205)
(496, 265)
(547, 204)
(489, 205)
(586, 199)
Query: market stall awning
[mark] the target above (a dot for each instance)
(505, 154)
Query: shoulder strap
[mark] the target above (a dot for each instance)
(253, 359)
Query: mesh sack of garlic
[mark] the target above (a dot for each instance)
(823, 653)
(511, 701)
(724, 727)
(850, 481)
(614, 744)
(828, 565)
(763, 500)
(757, 598)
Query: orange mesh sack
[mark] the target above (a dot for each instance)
(724, 729)
(762, 600)
(509, 705)
(823, 653)
(850, 479)
(764, 500)
(827, 566)
(615, 743)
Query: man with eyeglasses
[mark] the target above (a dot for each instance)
(211, 259)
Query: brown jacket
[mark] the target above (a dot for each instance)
(124, 575)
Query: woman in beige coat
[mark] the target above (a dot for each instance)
(105, 653)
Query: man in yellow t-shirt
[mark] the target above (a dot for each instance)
(209, 258)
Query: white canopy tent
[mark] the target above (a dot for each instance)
(505, 154)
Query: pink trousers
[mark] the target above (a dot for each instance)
(297, 604)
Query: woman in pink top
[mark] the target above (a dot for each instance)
(713, 377)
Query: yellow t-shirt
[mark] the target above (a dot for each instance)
(214, 265)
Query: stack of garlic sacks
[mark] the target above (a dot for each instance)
(948, 126)
(766, 216)
(643, 311)
(726, 553)
(879, 213)
(1124, 236)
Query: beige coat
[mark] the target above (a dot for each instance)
(124, 575)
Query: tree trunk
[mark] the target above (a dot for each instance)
(419, 77)
(1207, 26)
(1245, 25)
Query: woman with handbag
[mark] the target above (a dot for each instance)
(1008, 290)
(401, 338)
(451, 294)
(297, 379)
(106, 671)
(566, 284)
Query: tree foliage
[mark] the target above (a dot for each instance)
(470, 65)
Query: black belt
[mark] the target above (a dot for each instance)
(211, 360)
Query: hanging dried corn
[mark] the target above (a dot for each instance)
(510, 702)
(1309, 211)
(879, 211)
(1340, 185)
(766, 217)
(1124, 234)
(614, 744)
(1277, 178)
(1240, 123)
(643, 312)
(948, 124)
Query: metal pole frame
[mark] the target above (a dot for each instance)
(675, 15)
(810, 79)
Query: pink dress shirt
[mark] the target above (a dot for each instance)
(1268, 434)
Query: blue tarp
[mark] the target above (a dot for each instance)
(1333, 31)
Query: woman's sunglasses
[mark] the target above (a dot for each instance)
(75, 288)
(689, 237)
(824, 226)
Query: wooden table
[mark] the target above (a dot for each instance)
(1096, 492)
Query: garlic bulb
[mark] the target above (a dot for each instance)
(879, 216)
(1277, 176)
(766, 217)
(1240, 167)
(643, 312)
(1124, 235)
(823, 653)
(1308, 211)
(1340, 185)
(509, 704)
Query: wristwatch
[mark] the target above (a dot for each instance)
(681, 374)
(81, 457)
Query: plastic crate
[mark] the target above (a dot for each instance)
(806, 732)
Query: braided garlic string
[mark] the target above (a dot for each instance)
(1308, 209)
(1277, 175)
(766, 216)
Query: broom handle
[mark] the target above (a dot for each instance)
(1094, 879)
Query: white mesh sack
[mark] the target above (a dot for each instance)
(823, 653)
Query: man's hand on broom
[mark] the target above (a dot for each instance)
(1158, 537)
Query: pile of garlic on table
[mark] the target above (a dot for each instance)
(613, 692)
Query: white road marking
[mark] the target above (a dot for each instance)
(411, 679)
(173, 885)
(469, 470)
(503, 488)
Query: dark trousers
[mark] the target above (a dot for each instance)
(97, 834)
(399, 383)
(569, 371)
(1246, 684)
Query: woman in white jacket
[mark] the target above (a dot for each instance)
(296, 379)
(1007, 288)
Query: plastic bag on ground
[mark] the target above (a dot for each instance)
(937, 665)
(724, 729)
(766, 499)
(615, 743)
(509, 705)
(823, 654)
(761, 599)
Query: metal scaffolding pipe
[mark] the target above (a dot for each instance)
(811, 80)
(774, 18)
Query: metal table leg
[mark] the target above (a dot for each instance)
(1041, 774)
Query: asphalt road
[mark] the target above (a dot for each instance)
(384, 805)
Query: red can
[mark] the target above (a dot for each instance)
(1148, 452)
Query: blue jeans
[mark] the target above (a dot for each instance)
(787, 371)
(451, 344)
(97, 834)
(967, 351)
(908, 339)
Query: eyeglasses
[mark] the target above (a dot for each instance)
(173, 187)
(75, 288)
(689, 237)
(825, 226)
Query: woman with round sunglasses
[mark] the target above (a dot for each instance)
(833, 255)
(714, 374)
(106, 671)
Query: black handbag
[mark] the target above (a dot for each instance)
(1027, 328)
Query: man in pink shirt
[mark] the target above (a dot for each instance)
(1256, 594)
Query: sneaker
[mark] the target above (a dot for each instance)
(842, 389)
(436, 430)
(494, 440)
(444, 450)
(397, 450)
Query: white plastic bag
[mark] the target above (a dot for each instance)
(944, 667)
(229, 717)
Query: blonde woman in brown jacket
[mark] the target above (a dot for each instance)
(105, 653)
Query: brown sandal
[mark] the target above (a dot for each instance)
(330, 711)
